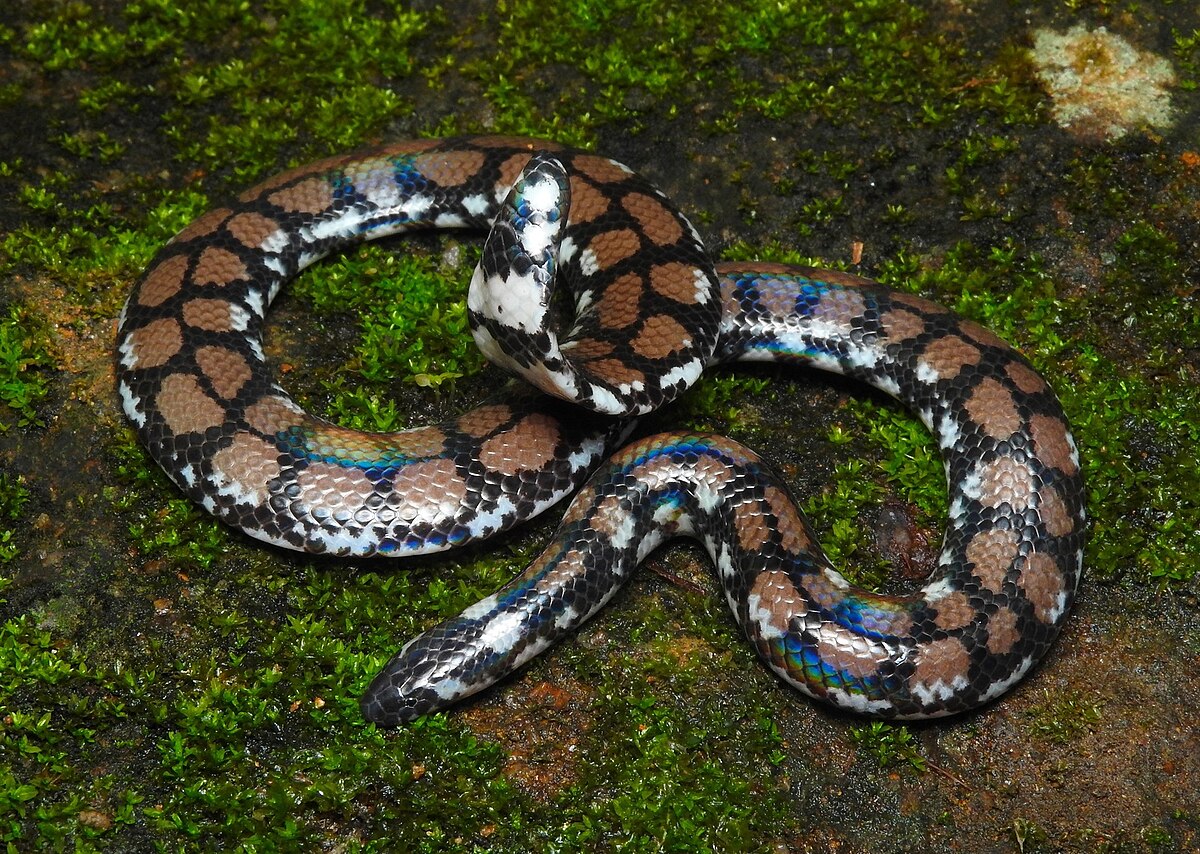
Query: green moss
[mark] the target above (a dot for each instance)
(889, 744)
(1064, 718)
(23, 362)
(411, 311)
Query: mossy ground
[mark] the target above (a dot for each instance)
(168, 684)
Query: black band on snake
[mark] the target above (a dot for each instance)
(651, 313)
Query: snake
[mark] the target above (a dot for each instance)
(600, 297)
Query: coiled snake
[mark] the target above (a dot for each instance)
(651, 313)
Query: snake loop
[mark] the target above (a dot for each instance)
(651, 313)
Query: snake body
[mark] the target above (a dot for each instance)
(651, 313)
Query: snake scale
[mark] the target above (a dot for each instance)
(650, 314)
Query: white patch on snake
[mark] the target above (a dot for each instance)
(276, 242)
(925, 373)
(239, 318)
(254, 303)
(188, 474)
(605, 401)
(855, 702)
(275, 265)
(126, 351)
(682, 375)
(515, 301)
(449, 220)
(691, 229)
(937, 589)
(588, 265)
(887, 385)
(566, 250)
(997, 688)
(947, 430)
(493, 520)
(939, 691)
(417, 206)
(477, 205)
(543, 195)
(622, 536)
(1054, 614)
(347, 224)
(130, 403)
(708, 497)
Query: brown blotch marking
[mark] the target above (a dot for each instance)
(947, 356)
(656, 221)
(780, 301)
(1043, 584)
(992, 407)
(587, 202)
(778, 598)
(580, 504)
(567, 568)
(225, 369)
(982, 335)
(751, 524)
(609, 516)
(418, 484)
(219, 267)
(729, 289)
(322, 169)
(1002, 631)
(272, 415)
(793, 534)
(1051, 444)
(484, 420)
(941, 661)
(185, 407)
(848, 653)
(164, 281)
(600, 169)
(661, 336)
(840, 306)
(417, 442)
(155, 343)
(1004, 480)
(510, 171)
(338, 491)
(214, 315)
(992, 553)
(1053, 512)
(954, 611)
(613, 371)
(821, 591)
(587, 348)
(251, 229)
(677, 281)
(621, 302)
(206, 224)
(901, 325)
(528, 446)
(612, 247)
(1026, 378)
(450, 168)
(248, 463)
(343, 442)
(310, 196)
